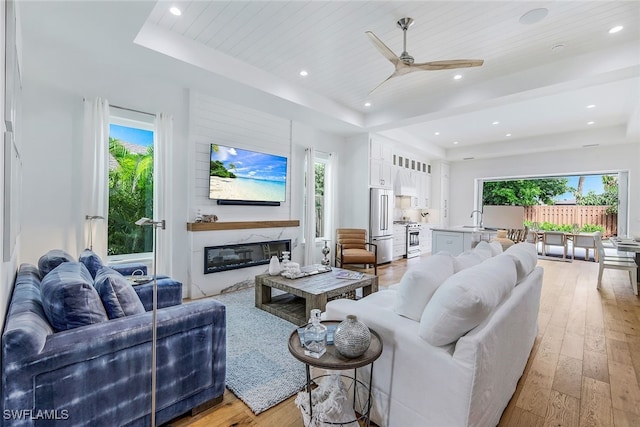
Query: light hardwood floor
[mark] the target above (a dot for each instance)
(584, 368)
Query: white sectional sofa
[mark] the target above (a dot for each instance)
(454, 356)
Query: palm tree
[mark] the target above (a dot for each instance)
(130, 198)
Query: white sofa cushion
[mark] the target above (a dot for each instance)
(419, 283)
(464, 300)
(466, 260)
(483, 249)
(496, 247)
(526, 257)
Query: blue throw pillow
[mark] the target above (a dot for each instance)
(52, 259)
(117, 294)
(92, 261)
(69, 298)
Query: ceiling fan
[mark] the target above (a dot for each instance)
(405, 63)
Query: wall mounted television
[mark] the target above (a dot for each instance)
(238, 176)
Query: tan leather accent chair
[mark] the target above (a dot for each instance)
(352, 248)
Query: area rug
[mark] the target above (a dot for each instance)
(260, 369)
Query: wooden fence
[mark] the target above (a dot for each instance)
(574, 214)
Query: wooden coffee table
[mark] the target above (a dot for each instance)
(306, 293)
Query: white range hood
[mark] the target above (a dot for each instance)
(404, 185)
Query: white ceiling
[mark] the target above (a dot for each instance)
(260, 47)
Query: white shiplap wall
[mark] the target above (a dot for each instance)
(217, 121)
(214, 120)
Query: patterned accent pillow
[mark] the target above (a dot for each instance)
(117, 294)
(52, 259)
(92, 261)
(69, 298)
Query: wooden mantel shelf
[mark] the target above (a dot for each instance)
(240, 225)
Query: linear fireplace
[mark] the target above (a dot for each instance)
(229, 257)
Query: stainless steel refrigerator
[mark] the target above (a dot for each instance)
(381, 223)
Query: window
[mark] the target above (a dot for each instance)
(320, 191)
(131, 183)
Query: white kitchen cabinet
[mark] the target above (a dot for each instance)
(380, 150)
(380, 164)
(444, 194)
(399, 241)
(452, 242)
(425, 238)
(380, 173)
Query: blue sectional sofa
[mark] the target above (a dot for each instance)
(100, 374)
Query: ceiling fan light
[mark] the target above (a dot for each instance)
(534, 16)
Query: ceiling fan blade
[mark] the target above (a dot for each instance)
(449, 65)
(382, 48)
(395, 74)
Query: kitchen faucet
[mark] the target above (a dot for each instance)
(480, 212)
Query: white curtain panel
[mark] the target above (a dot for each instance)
(163, 177)
(310, 209)
(96, 166)
(330, 209)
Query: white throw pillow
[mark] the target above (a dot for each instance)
(464, 300)
(483, 249)
(419, 283)
(526, 257)
(465, 260)
(496, 247)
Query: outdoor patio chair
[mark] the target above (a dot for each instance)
(554, 238)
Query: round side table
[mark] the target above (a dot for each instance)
(333, 360)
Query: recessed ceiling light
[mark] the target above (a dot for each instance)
(175, 11)
(616, 29)
(457, 77)
(591, 106)
(495, 123)
(508, 134)
(590, 123)
(455, 142)
(304, 73)
(367, 104)
(534, 16)
(437, 133)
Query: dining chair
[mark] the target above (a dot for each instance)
(586, 242)
(615, 264)
(554, 238)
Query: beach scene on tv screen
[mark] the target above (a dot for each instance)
(237, 174)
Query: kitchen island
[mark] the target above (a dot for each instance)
(458, 239)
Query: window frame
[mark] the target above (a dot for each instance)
(137, 120)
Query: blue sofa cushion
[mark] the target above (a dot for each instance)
(69, 298)
(52, 259)
(117, 294)
(92, 261)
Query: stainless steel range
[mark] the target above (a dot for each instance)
(413, 240)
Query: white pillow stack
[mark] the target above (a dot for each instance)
(466, 260)
(465, 299)
(526, 257)
(484, 250)
(419, 283)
